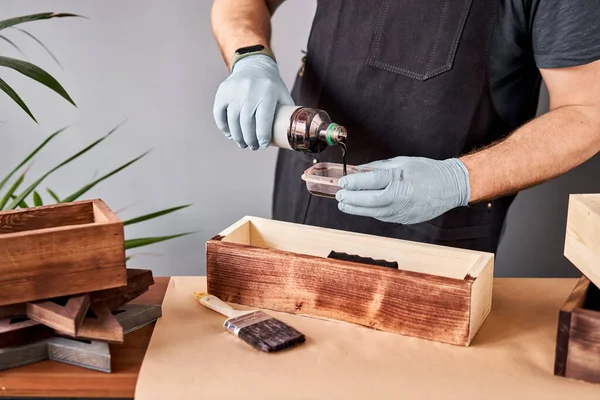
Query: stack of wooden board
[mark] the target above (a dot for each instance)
(64, 285)
(578, 331)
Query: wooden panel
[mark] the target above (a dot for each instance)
(52, 379)
(50, 216)
(22, 331)
(138, 281)
(582, 238)
(92, 355)
(60, 261)
(576, 299)
(404, 302)
(411, 256)
(583, 360)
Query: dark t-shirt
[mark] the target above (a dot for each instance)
(532, 34)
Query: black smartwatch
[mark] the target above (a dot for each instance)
(244, 52)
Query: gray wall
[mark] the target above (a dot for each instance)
(158, 66)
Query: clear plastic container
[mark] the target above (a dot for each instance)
(322, 178)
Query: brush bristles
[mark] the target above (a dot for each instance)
(271, 335)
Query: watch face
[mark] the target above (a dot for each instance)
(249, 49)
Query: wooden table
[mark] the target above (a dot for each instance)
(50, 379)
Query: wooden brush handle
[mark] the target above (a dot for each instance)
(218, 305)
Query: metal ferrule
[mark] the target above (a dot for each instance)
(312, 131)
(234, 325)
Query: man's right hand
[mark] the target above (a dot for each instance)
(245, 103)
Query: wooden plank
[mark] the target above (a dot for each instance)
(583, 360)
(135, 316)
(582, 237)
(49, 216)
(409, 303)
(65, 318)
(50, 379)
(13, 310)
(101, 326)
(17, 356)
(138, 281)
(87, 354)
(19, 332)
(575, 300)
(59, 261)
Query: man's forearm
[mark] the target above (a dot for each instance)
(546, 147)
(240, 23)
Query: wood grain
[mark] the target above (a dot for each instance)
(17, 356)
(13, 310)
(65, 318)
(19, 332)
(50, 216)
(62, 260)
(138, 281)
(52, 379)
(93, 355)
(136, 316)
(408, 303)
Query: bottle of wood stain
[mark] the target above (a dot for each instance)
(306, 129)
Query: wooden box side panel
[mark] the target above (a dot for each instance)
(44, 217)
(481, 295)
(583, 360)
(60, 262)
(429, 307)
(582, 238)
(316, 241)
(576, 299)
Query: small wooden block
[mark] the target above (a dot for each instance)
(578, 334)
(12, 357)
(138, 281)
(136, 316)
(88, 354)
(21, 331)
(58, 250)
(62, 318)
(103, 326)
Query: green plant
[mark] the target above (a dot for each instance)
(11, 194)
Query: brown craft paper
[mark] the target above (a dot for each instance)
(191, 356)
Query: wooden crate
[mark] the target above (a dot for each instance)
(58, 250)
(578, 334)
(438, 293)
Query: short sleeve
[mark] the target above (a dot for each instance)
(565, 33)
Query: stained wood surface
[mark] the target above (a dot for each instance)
(44, 217)
(408, 303)
(93, 355)
(63, 260)
(582, 237)
(138, 281)
(65, 318)
(135, 316)
(22, 331)
(52, 379)
(103, 325)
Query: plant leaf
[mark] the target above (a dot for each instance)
(90, 185)
(154, 215)
(13, 45)
(54, 195)
(13, 95)
(133, 243)
(30, 156)
(36, 73)
(22, 204)
(41, 44)
(37, 199)
(32, 187)
(12, 190)
(33, 17)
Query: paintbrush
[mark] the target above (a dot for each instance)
(255, 327)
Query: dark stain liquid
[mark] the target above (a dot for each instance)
(344, 151)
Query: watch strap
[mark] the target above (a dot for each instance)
(250, 51)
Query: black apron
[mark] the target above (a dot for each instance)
(405, 77)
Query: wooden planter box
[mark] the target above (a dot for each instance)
(578, 334)
(437, 293)
(58, 250)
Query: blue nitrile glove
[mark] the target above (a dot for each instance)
(245, 102)
(405, 190)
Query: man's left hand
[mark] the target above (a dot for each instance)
(405, 190)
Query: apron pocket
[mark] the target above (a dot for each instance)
(417, 38)
(463, 223)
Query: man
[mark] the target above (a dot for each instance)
(438, 95)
